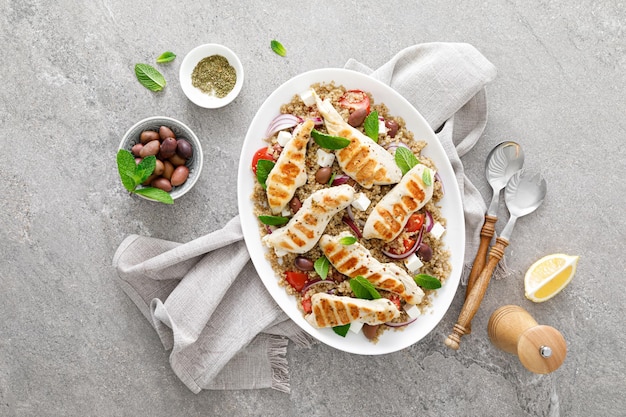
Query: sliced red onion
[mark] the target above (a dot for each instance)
(438, 178)
(395, 145)
(313, 283)
(350, 222)
(404, 323)
(340, 179)
(317, 120)
(408, 253)
(269, 229)
(428, 221)
(281, 122)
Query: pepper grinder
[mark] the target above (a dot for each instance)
(541, 349)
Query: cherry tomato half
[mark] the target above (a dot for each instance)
(355, 99)
(415, 223)
(296, 279)
(395, 298)
(307, 305)
(263, 153)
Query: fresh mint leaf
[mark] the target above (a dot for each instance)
(166, 57)
(149, 77)
(273, 220)
(371, 125)
(145, 168)
(126, 167)
(405, 159)
(347, 240)
(263, 168)
(322, 266)
(329, 142)
(156, 194)
(363, 289)
(342, 330)
(427, 178)
(427, 282)
(278, 48)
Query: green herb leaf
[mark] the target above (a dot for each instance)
(278, 48)
(166, 57)
(332, 178)
(347, 240)
(156, 194)
(427, 282)
(273, 220)
(427, 178)
(328, 141)
(342, 330)
(145, 168)
(322, 266)
(405, 159)
(363, 289)
(126, 166)
(263, 168)
(149, 77)
(371, 125)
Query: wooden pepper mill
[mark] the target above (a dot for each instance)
(540, 348)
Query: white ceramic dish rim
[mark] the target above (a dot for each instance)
(131, 137)
(189, 63)
(454, 237)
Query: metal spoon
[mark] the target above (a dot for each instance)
(524, 193)
(504, 160)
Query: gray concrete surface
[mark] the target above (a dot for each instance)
(73, 344)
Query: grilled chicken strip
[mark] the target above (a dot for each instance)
(289, 173)
(356, 259)
(392, 212)
(305, 228)
(363, 160)
(332, 310)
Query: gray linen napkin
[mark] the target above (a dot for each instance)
(204, 297)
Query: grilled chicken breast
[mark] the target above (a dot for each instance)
(332, 310)
(356, 259)
(392, 212)
(305, 228)
(289, 173)
(363, 160)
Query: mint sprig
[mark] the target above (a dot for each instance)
(363, 289)
(278, 48)
(427, 282)
(149, 77)
(263, 168)
(328, 141)
(348, 240)
(274, 220)
(166, 57)
(405, 159)
(322, 266)
(133, 174)
(370, 125)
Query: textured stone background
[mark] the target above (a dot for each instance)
(72, 343)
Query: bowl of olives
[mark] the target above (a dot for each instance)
(177, 150)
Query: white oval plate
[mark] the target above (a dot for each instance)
(451, 206)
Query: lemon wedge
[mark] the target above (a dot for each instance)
(548, 276)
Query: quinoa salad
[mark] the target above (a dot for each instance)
(416, 247)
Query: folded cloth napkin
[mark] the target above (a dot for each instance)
(205, 299)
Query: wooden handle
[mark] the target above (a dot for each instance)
(486, 234)
(475, 297)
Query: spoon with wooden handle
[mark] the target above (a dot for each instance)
(504, 160)
(523, 194)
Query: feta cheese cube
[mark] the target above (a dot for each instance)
(412, 311)
(413, 263)
(356, 326)
(382, 129)
(286, 212)
(283, 137)
(307, 97)
(325, 159)
(361, 202)
(437, 230)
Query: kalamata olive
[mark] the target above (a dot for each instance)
(425, 252)
(136, 149)
(180, 175)
(303, 264)
(159, 168)
(295, 205)
(184, 149)
(168, 169)
(165, 132)
(168, 148)
(148, 136)
(323, 175)
(150, 148)
(162, 183)
(392, 127)
(370, 331)
(177, 160)
(357, 117)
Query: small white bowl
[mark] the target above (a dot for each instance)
(189, 63)
(182, 131)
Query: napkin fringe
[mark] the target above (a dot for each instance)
(277, 353)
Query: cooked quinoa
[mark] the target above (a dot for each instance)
(336, 283)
